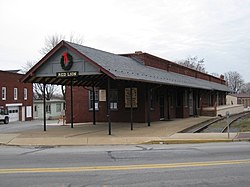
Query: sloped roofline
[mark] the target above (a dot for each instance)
(240, 95)
(145, 54)
(32, 71)
(131, 69)
(11, 72)
(90, 60)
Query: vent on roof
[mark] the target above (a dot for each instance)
(138, 52)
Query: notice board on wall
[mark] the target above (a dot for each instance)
(128, 98)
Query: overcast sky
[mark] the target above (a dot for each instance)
(216, 30)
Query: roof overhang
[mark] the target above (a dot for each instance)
(95, 77)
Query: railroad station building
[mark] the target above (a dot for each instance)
(135, 87)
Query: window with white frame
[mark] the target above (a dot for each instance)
(58, 107)
(28, 111)
(96, 99)
(113, 99)
(15, 94)
(48, 108)
(25, 94)
(4, 90)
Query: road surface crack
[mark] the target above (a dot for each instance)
(37, 149)
(111, 155)
(144, 148)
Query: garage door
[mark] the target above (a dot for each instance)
(13, 113)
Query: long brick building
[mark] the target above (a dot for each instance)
(188, 93)
(101, 85)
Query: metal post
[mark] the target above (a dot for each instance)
(131, 107)
(44, 108)
(228, 130)
(168, 100)
(149, 107)
(93, 91)
(108, 106)
(71, 102)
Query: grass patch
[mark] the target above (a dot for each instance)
(243, 125)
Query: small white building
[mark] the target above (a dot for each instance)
(240, 99)
(54, 108)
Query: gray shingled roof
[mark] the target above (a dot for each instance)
(126, 68)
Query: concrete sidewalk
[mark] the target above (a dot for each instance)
(89, 134)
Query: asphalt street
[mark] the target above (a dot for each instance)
(19, 126)
(211, 164)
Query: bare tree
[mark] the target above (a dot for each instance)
(246, 88)
(53, 40)
(193, 63)
(27, 66)
(38, 88)
(215, 75)
(49, 91)
(50, 43)
(234, 81)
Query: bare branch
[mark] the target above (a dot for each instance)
(49, 43)
(234, 81)
(193, 63)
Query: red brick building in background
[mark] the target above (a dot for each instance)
(16, 96)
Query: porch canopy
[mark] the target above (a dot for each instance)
(76, 65)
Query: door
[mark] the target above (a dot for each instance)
(191, 104)
(13, 113)
(35, 109)
(23, 113)
(162, 106)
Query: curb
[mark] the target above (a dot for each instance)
(185, 141)
(164, 141)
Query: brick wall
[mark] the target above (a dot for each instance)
(82, 113)
(153, 61)
(11, 81)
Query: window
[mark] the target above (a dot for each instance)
(25, 94)
(58, 107)
(113, 99)
(185, 102)
(152, 103)
(4, 93)
(28, 111)
(96, 99)
(4, 111)
(171, 100)
(210, 99)
(179, 99)
(48, 108)
(15, 94)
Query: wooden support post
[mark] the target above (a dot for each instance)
(131, 107)
(71, 103)
(149, 105)
(93, 92)
(108, 106)
(44, 107)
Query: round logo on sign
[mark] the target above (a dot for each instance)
(66, 61)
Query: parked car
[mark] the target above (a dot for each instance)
(4, 115)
